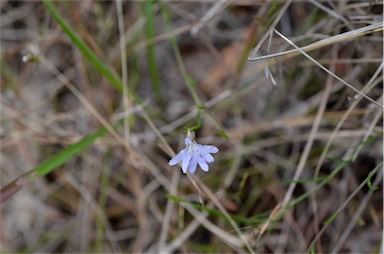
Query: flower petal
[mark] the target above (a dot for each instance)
(194, 155)
(186, 162)
(203, 165)
(193, 163)
(208, 149)
(188, 141)
(207, 157)
(177, 158)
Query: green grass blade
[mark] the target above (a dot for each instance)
(190, 82)
(107, 72)
(102, 201)
(369, 180)
(60, 158)
(153, 69)
(332, 218)
(49, 165)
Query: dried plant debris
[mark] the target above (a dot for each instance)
(290, 92)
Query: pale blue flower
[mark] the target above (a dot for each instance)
(194, 154)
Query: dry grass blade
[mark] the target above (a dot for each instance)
(343, 119)
(331, 12)
(96, 98)
(374, 28)
(329, 72)
(82, 98)
(217, 8)
(124, 78)
(358, 213)
(309, 143)
(267, 34)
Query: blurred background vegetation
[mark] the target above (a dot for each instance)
(96, 96)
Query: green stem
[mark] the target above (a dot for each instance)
(153, 69)
(189, 81)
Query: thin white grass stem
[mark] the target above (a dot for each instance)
(376, 27)
(328, 71)
(270, 29)
(219, 6)
(164, 181)
(132, 153)
(268, 73)
(158, 133)
(129, 34)
(173, 187)
(330, 12)
(181, 120)
(161, 37)
(344, 118)
(308, 145)
(188, 231)
(226, 237)
(344, 205)
(96, 208)
(376, 119)
(80, 97)
(313, 199)
(238, 154)
(169, 210)
(270, 142)
(370, 83)
(139, 108)
(357, 215)
(353, 152)
(217, 203)
(124, 70)
(154, 170)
